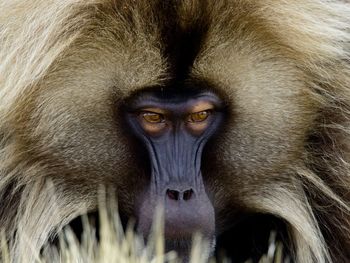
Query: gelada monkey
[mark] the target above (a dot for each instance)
(232, 114)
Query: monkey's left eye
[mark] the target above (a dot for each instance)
(199, 116)
(153, 117)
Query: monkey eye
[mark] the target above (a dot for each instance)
(199, 116)
(153, 117)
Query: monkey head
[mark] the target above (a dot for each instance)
(233, 116)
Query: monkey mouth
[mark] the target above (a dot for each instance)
(181, 245)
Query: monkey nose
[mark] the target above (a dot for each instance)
(176, 195)
(187, 210)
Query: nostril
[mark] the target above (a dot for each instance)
(188, 194)
(173, 194)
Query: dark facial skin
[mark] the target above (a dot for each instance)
(174, 129)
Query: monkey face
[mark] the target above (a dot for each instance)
(174, 128)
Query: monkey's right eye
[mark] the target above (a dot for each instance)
(153, 123)
(153, 117)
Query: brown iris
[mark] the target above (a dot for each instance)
(199, 116)
(152, 122)
(153, 117)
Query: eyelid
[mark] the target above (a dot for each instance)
(153, 110)
(203, 106)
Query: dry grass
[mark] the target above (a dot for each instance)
(116, 245)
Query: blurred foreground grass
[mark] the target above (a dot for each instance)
(116, 245)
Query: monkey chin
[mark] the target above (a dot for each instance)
(182, 242)
(185, 247)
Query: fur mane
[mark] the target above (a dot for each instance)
(37, 36)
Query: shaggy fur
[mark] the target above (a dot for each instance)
(281, 65)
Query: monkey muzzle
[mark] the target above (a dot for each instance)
(177, 187)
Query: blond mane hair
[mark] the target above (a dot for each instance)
(37, 37)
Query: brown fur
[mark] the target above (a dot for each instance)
(283, 67)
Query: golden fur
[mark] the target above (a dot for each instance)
(283, 66)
